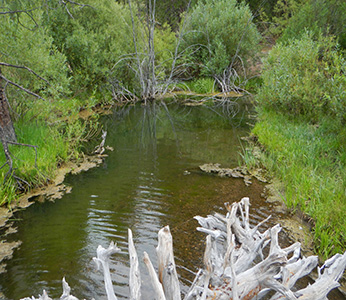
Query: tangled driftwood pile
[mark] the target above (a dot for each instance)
(235, 266)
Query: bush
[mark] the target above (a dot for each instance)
(93, 40)
(283, 11)
(98, 43)
(305, 77)
(215, 31)
(24, 43)
(316, 15)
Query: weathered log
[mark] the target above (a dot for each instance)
(234, 265)
(102, 259)
(135, 276)
(66, 291)
(167, 271)
(154, 279)
(241, 278)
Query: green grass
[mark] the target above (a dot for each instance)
(311, 162)
(58, 135)
(203, 85)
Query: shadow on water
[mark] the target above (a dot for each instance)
(151, 179)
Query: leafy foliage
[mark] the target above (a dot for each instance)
(93, 40)
(217, 31)
(283, 10)
(170, 11)
(318, 15)
(24, 43)
(306, 77)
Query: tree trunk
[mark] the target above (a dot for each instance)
(7, 133)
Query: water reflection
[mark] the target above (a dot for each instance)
(142, 185)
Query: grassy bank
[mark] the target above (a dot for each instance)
(57, 132)
(310, 160)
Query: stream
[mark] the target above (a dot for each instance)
(150, 180)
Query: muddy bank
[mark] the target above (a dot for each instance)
(51, 192)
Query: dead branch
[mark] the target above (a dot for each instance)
(65, 2)
(21, 88)
(26, 145)
(101, 147)
(26, 68)
(102, 259)
(17, 11)
(9, 162)
(135, 276)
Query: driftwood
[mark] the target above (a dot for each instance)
(240, 262)
(99, 149)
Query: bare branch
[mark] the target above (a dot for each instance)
(76, 3)
(23, 67)
(17, 11)
(22, 88)
(64, 3)
(27, 145)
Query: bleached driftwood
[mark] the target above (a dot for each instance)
(135, 276)
(99, 149)
(166, 266)
(158, 288)
(235, 266)
(102, 259)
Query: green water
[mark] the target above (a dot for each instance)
(150, 180)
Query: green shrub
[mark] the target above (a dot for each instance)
(318, 15)
(282, 11)
(164, 42)
(305, 77)
(93, 40)
(215, 32)
(24, 43)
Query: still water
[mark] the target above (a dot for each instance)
(150, 180)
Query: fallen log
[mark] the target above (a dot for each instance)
(235, 266)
